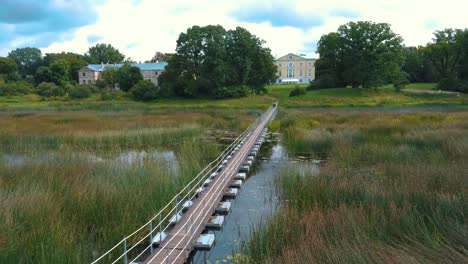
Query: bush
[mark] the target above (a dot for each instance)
(80, 92)
(47, 89)
(297, 92)
(453, 84)
(15, 88)
(145, 90)
(231, 91)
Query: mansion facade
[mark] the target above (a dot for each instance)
(92, 72)
(295, 69)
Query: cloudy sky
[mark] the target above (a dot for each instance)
(140, 27)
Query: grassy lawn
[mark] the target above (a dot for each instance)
(348, 97)
(392, 190)
(337, 97)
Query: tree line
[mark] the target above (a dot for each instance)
(209, 62)
(367, 54)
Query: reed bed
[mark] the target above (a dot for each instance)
(68, 191)
(392, 190)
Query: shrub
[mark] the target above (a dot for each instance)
(231, 91)
(453, 84)
(15, 88)
(144, 90)
(47, 89)
(297, 92)
(80, 92)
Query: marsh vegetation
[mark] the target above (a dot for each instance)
(392, 190)
(72, 184)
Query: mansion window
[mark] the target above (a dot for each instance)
(290, 73)
(310, 72)
(84, 74)
(291, 65)
(290, 57)
(300, 73)
(279, 74)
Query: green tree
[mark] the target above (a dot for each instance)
(104, 53)
(75, 61)
(445, 52)
(417, 65)
(161, 57)
(361, 54)
(27, 59)
(109, 77)
(211, 61)
(145, 90)
(328, 67)
(128, 76)
(43, 74)
(369, 52)
(60, 71)
(8, 69)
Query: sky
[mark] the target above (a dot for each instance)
(139, 28)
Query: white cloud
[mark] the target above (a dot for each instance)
(140, 30)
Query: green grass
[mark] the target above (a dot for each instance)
(338, 97)
(393, 189)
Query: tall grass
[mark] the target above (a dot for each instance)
(393, 190)
(72, 200)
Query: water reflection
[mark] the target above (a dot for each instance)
(256, 202)
(127, 158)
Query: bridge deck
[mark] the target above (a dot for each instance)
(181, 239)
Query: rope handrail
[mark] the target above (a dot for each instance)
(198, 180)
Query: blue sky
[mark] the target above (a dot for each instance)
(141, 27)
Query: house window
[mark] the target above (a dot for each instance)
(290, 73)
(291, 65)
(279, 74)
(310, 72)
(290, 57)
(300, 73)
(84, 74)
(280, 65)
(300, 80)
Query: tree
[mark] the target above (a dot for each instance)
(144, 90)
(128, 76)
(369, 51)
(104, 53)
(445, 52)
(60, 72)
(8, 69)
(211, 61)
(43, 74)
(109, 77)
(75, 61)
(417, 65)
(327, 67)
(27, 59)
(361, 54)
(161, 57)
